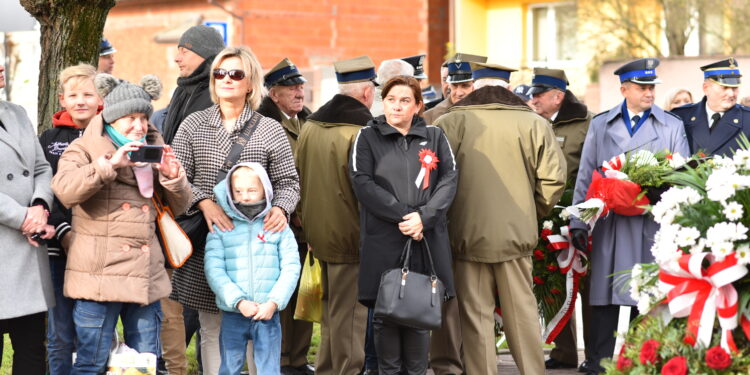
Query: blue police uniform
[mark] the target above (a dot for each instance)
(722, 137)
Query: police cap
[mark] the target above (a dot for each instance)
(641, 71)
(724, 72)
(106, 48)
(418, 63)
(459, 67)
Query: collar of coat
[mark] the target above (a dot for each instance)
(571, 110)
(418, 127)
(269, 109)
(616, 112)
(490, 97)
(201, 73)
(342, 109)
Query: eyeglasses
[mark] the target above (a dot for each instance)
(234, 74)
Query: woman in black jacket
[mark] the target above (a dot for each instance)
(404, 176)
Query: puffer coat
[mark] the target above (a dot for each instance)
(114, 254)
(247, 263)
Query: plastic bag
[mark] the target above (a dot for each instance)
(124, 360)
(310, 295)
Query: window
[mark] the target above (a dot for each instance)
(552, 32)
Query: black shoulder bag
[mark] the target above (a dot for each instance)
(195, 225)
(409, 298)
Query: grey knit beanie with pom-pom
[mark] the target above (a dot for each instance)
(122, 98)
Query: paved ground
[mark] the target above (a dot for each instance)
(506, 366)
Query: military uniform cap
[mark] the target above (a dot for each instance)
(483, 70)
(358, 69)
(285, 73)
(459, 67)
(522, 91)
(548, 79)
(106, 48)
(724, 72)
(641, 71)
(418, 63)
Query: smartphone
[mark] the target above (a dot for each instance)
(38, 238)
(147, 154)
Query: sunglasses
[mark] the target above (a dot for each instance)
(234, 74)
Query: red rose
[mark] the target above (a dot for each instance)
(538, 280)
(538, 255)
(552, 268)
(546, 233)
(624, 363)
(717, 358)
(550, 247)
(649, 350)
(675, 366)
(555, 291)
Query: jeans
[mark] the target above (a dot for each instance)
(237, 330)
(95, 328)
(61, 332)
(371, 356)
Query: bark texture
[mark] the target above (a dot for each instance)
(70, 34)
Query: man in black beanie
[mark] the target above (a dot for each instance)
(195, 52)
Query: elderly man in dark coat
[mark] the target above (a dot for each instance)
(619, 242)
(25, 195)
(714, 124)
(570, 120)
(285, 103)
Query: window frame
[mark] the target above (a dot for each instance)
(551, 17)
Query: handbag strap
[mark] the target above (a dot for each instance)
(433, 273)
(242, 140)
(406, 255)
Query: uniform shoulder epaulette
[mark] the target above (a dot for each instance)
(599, 114)
(744, 108)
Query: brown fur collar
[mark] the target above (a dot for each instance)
(269, 109)
(571, 109)
(342, 109)
(491, 95)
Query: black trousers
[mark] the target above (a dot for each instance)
(401, 350)
(27, 334)
(602, 332)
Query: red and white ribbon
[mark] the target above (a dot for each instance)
(701, 293)
(614, 164)
(429, 162)
(571, 262)
(613, 167)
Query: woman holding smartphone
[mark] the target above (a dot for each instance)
(115, 264)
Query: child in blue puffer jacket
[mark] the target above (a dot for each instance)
(252, 273)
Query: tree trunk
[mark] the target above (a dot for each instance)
(70, 33)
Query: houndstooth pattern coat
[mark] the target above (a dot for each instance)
(201, 145)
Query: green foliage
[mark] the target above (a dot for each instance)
(670, 337)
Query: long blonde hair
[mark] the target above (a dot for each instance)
(253, 72)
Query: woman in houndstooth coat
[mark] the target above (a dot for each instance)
(202, 144)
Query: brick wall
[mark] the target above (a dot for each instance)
(312, 33)
(317, 32)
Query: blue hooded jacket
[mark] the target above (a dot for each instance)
(247, 263)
